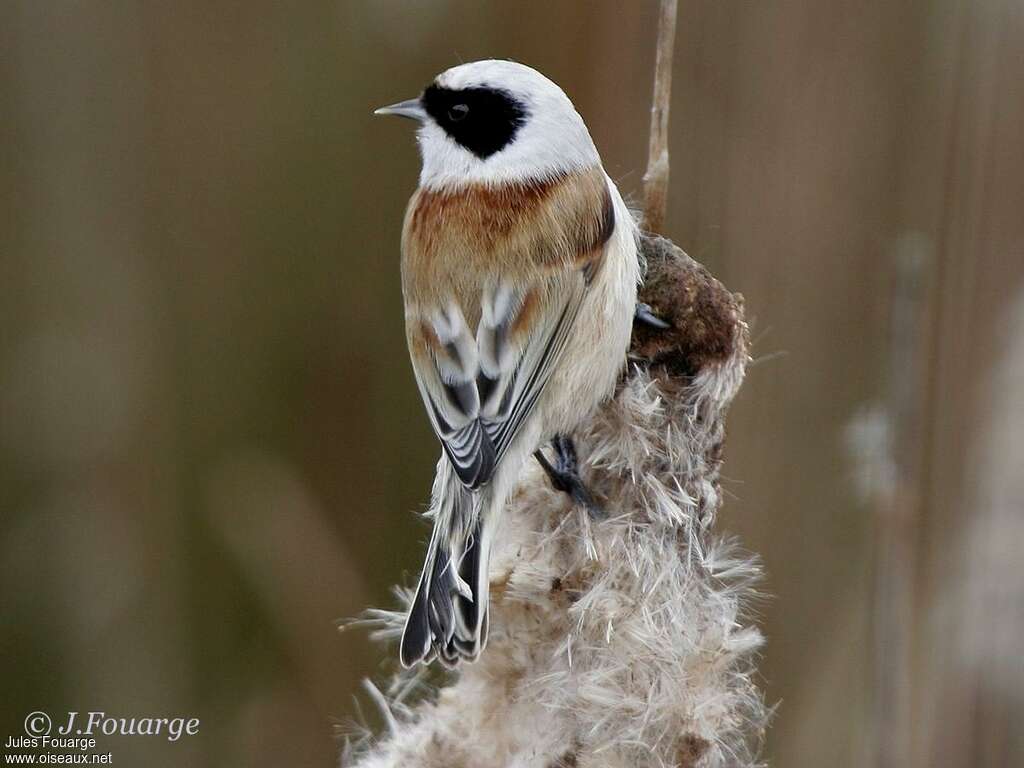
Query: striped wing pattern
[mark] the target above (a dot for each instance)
(483, 385)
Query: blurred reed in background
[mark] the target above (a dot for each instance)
(211, 445)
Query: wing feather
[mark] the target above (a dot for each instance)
(480, 388)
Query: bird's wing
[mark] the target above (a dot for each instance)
(480, 385)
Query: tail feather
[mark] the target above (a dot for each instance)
(471, 610)
(448, 616)
(416, 636)
(440, 613)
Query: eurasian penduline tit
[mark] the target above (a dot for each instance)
(519, 273)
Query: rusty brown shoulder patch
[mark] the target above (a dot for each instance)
(543, 224)
(493, 209)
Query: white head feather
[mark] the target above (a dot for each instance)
(550, 141)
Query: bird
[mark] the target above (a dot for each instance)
(519, 272)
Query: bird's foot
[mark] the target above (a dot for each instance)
(644, 314)
(565, 474)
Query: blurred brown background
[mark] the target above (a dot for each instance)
(210, 441)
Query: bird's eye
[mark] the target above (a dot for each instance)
(457, 112)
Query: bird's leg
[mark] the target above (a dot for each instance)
(645, 315)
(565, 475)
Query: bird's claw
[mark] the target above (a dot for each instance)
(565, 476)
(645, 315)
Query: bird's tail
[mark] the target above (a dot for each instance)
(448, 617)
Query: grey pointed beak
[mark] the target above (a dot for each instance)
(411, 108)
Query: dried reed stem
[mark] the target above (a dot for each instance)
(656, 176)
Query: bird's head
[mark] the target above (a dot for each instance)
(495, 122)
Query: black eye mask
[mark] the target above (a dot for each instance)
(483, 120)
